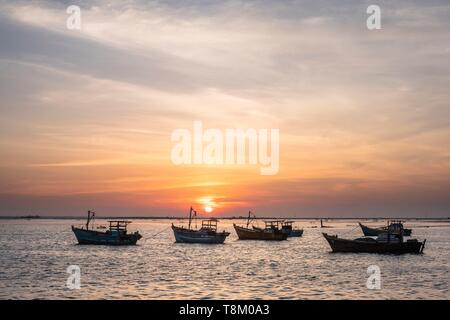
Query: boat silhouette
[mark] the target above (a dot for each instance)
(206, 234)
(385, 243)
(117, 233)
(287, 227)
(272, 230)
(395, 226)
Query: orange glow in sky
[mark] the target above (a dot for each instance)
(208, 209)
(363, 120)
(208, 204)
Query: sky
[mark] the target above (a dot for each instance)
(87, 115)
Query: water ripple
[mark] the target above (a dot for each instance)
(34, 256)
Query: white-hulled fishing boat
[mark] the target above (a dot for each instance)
(116, 235)
(206, 234)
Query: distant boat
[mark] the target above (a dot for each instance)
(394, 226)
(287, 227)
(206, 234)
(117, 233)
(30, 217)
(386, 243)
(271, 231)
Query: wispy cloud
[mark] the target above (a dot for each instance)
(355, 108)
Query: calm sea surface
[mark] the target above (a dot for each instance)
(35, 254)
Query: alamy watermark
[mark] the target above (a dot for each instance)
(373, 22)
(227, 147)
(73, 21)
(74, 278)
(374, 280)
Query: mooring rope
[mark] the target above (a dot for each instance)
(154, 235)
(357, 227)
(159, 232)
(343, 234)
(315, 238)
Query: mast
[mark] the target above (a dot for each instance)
(248, 219)
(89, 218)
(190, 216)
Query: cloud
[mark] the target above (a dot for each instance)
(365, 107)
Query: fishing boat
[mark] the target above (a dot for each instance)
(117, 233)
(394, 226)
(271, 232)
(385, 243)
(287, 227)
(206, 234)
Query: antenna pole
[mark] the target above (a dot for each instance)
(249, 218)
(190, 218)
(88, 219)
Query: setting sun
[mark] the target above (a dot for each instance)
(208, 209)
(208, 204)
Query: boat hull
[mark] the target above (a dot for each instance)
(407, 232)
(259, 234)
(354, 246)
(294, 233)
(183, 235)
(93, 237)
(375, 232)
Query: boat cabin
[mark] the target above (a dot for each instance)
(118, 226)
(273, 224)
(287, 225)
(390, 238)
(395, 226)
(209, 224)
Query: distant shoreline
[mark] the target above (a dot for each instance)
(223, 218)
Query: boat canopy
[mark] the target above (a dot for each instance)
(210, 224)
(273, 223)
(118, 225)
(389, 238)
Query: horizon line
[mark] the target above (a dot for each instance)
(37, 217)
